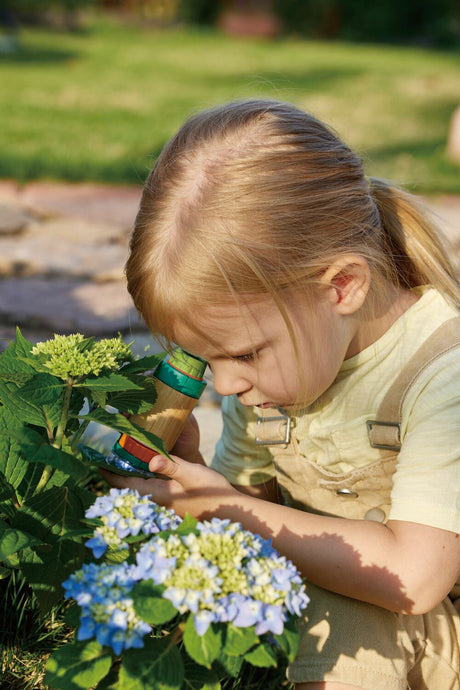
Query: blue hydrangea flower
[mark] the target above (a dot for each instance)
(124, 513)
(103, 593)
(202, 620)
(273, 619)
(219, 573)
(222, 573)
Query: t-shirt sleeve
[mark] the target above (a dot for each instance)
(426, 484)
(237, 456)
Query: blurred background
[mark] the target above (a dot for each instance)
(90, 90)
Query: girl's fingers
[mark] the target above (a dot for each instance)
(170, 468)
(118, 481)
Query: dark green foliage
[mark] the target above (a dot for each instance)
(44, 477)
(198, 11)
(61, 14)
(387, 21)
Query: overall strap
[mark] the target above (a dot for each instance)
(385, 431)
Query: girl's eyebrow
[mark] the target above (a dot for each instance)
(242, 352)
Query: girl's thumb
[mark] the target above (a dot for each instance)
(163, 465)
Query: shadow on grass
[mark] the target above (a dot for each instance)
(434, 117)
(306, 78)
(22, 167)
(24, 54)
(423, 148)
(303, 78)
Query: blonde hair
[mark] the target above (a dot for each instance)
(256, 196)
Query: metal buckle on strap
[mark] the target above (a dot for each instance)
(374, 442)
(282, 418)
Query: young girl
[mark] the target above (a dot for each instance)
(325, 305)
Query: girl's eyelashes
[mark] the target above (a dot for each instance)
(248, 357)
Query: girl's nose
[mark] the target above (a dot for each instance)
(227, 379)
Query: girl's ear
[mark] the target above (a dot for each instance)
(347, 282)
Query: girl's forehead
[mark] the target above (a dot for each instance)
(228, 327)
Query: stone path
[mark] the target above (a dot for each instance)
(62, 252)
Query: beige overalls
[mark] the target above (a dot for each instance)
(365, 493)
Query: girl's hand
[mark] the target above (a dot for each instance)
(188, 444)
(187, 487)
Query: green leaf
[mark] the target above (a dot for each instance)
(29, 438)
(13, 465)
(134, 394)
(124, 426)
(7, 495)
(65, 462)
(54, 511)
(228, 665)
(16, 377)
(13, 540)
(79, 535)
(91, 455)
(36, 363)
(72, 615)
(187, 525)
(158, 666)
(11, 361)
(109, 682)
(41, 389)
(77, 665)
(36, 449)
(4, 573)
(204, 649)
(46, 567)
(262, 656)
(150, 605)
(116, 556)
(8, 506)
(98, 397)
(86, 343)
(19, 443)
(239, 640)
(21, 345)
(148, 363)
(135, 401)
(50, 516)
(199, 678)
(289, 640)
(109, 382)
(38, 401)
(31, 480)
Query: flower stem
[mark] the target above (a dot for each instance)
(79, 433)
(61, 427)
(46, 476)
(176, 635)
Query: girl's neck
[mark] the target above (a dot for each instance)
(369, 331)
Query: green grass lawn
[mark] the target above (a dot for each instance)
(99, 104)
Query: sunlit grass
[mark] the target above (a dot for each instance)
(27, 637)
(99, 105)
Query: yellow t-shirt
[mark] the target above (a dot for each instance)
(332, 431)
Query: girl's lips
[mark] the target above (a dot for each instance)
(266, 405)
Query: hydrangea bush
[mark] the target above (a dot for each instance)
(49, 393)
(167, 602)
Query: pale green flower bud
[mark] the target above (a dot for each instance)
(74, 356)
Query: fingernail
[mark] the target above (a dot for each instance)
(158, 463)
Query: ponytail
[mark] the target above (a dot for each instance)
(419, 251)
